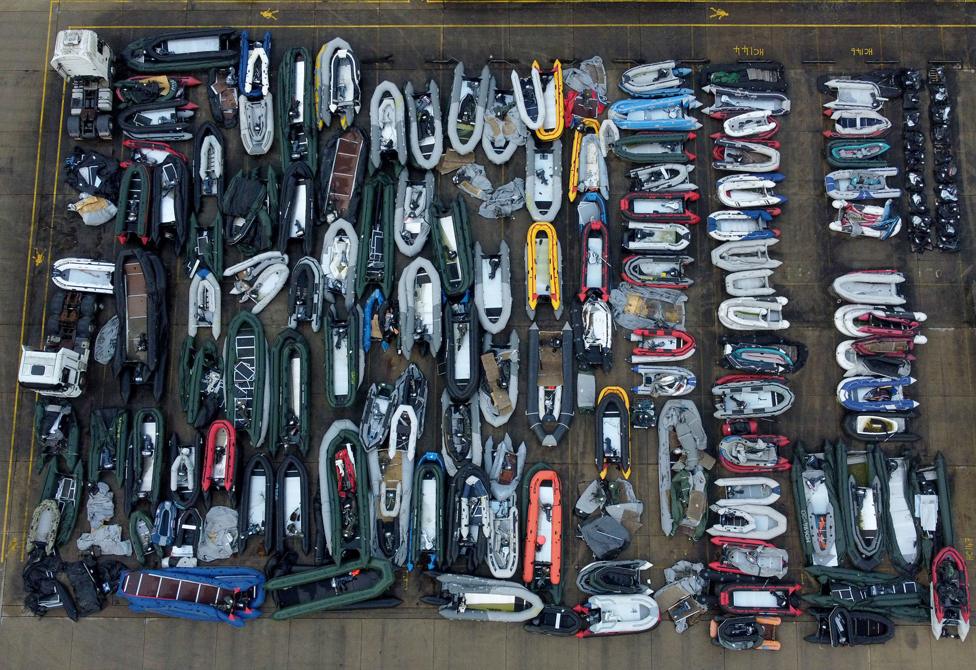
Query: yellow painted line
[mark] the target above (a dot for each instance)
(47, 284)
(544, 26)
(27, 275)
(716, 3)
(249, 3)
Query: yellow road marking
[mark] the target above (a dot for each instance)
(27, 274)
(544, 26)
(47, 282)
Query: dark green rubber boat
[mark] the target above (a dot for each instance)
(297, 125)
(453, 247)
(344, 487)
(425, 541)
(65, 491)
(145, 458)
(246, 381)
(109, 439)
(375, 265)
(344, 586)
(135, 204)
(201, 372)
(344, 359)
(289, 384)
(140, 534)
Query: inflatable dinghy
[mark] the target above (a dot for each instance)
(543, 179)
(731, 225)
(543, 511)
(498, 391)
(763, 354)
(342, 168)
(649, 78)
(949, 594)
(817, 507)
(660, 207)
(552, 101)
(753, 453)
(419, 295)
(681, 478)
(414, 216)
(732, 101)
(297, 136)
(875, 394)
(89, 276)
(344, 492)
(452, 247)
(469, 525)
(741, 156)
(543, 264)
(858, 123)
(613, 431)
(344, 359)
(305, 294)
(387, 126)
(340, 253)
(425, 540)
(763, 313)
(658, 114)
(753, 558)
(664, 380)
(255, 101)
(466, 115)
(337, 91)
(290, 423)
(657, 271)
(754, 522)
(864, 184)
(656, 237)
(470, 598)
(873, 287)
(749, 191)
(375, 264)
(426, 131)
(618, 614)
(247, 389)
(550, 400)
(661, 345)
(864, 220)
(750, 396)
(493, 287)
(655, 148)
(745, 255)
(460, 433)
(504, 130)
(757, 124)
(462, 352)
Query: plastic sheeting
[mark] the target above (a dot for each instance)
(108, 538)
(219, 537)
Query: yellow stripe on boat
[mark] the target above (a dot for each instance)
(535, 230)
(556, 74)
(574, 176)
